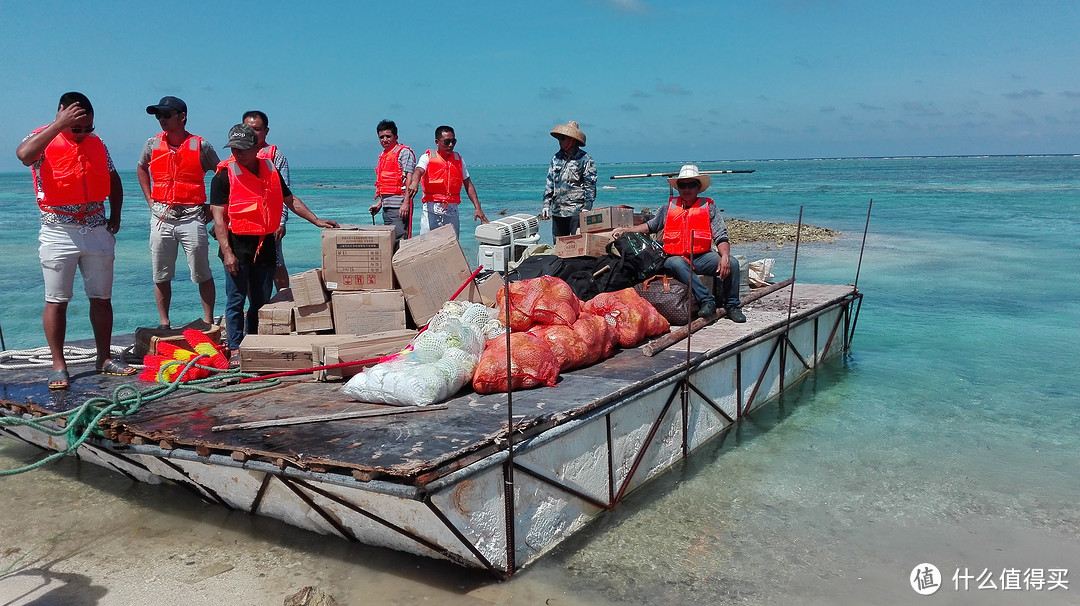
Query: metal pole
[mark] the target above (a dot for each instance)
(508, 473)
(863, 247)
(794, 264)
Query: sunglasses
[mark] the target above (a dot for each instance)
(450, 141)
(78, 130)
(166, 115)
(688, 184)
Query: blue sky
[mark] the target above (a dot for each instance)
(647, 80)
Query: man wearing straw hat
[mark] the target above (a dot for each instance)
(692, 226)
(571, 181)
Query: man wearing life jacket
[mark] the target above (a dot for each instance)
(692, 226)
(394, 190)
(443, 174)
(246, 197)
(73, 174)
(171, 170)
(259, 123)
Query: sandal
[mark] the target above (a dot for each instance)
(116, 369)
(59, 379)
(234, 359)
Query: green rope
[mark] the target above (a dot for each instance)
(83, 421)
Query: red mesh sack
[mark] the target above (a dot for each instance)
(635, 318)
(543, 300)
(532, 364)
(565, 343)
(600, 336)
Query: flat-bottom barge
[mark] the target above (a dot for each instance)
(442, 483)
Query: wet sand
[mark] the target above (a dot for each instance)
(75, 534)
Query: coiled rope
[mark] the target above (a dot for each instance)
(17, 359)
(82, 422)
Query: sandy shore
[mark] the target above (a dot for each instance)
(76, 534)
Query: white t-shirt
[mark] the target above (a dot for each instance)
(424, 158)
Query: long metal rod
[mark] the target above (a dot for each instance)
(676, 173)
(509, 508)
(794, 265)
(866, 229)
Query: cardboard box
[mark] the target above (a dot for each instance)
(358, 258)
(313, 318)
(606, 219)
(276, 318)
(375, 345)
(429, 268)
(484, 289)
(368, 311)
(147, 339)
(591, 244)
(279, 353)
(307, 288)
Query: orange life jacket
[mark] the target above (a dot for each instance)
(255, 201)
(268, 152)
(72, 173)
(443, 178)
(681, 222)
(177, 174)
(389, 180)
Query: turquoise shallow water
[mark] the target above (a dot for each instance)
(949, 435)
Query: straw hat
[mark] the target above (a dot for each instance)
(690, 171)
(570, 129)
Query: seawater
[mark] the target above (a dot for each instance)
(949, 434)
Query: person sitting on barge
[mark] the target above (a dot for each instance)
(692, 225)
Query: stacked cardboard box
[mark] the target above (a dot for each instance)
(588, 244)
(368, 311)
(606, 219)
(358, 257)
(429, 268)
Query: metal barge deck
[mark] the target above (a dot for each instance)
(442, 483)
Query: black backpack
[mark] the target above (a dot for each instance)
(641, 256)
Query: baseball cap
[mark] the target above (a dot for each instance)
(242, 136)
(167, 103)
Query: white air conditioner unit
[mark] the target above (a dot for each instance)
(508, 230)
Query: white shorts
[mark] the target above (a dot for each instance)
(437, 214)
(166, 237)
(63, 248)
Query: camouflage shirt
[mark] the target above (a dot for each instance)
(571, 184)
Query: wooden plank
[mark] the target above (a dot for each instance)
(397, 410)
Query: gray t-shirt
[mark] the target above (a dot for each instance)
(208, 158)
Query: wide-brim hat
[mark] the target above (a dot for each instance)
(570, 129)
(690, 171)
